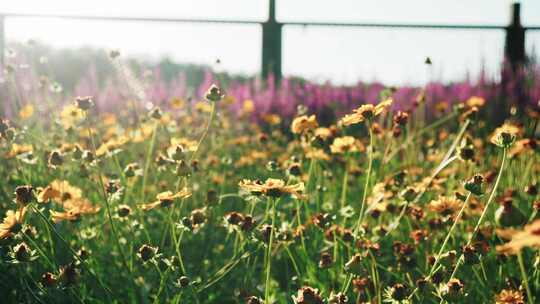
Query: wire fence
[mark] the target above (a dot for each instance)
(272, 31)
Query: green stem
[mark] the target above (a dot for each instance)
(366, 184)
(524, 278)
(445, 242)
(484, 212)
(269, 255)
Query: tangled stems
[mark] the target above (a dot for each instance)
(484, 212)
(106, 198)
(68, 246)
(445, 242)
(445, 162)
(269, 254)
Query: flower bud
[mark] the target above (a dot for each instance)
(475, 185)
(84, 103)
(214, 94)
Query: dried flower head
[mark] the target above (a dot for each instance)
(214, 94)
(147, 252)
(24, 194)
(84, 103)
(308, 295)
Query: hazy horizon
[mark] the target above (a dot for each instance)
(341, 55)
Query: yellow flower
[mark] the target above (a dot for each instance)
(165, 199)
(317, 154)
(272, 119)
(346, 144)
(323, 133)
(17, 149)
(528, 237)
(272, 187)
(304, 123)
(109, 119)
(12, 223)
(445, 205)
(475, 101)
(26, 112)
(142, 133)
(47, 194)
(509, 296)
(177, 103)
(203, 107)
(70, 116)
(69, 215)
(61, 191)
(248, 106)
(505, 135)
(186, 143)
(367, 111)
(252, 158)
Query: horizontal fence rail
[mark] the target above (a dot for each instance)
(272, 31)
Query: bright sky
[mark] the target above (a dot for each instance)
(342, 55)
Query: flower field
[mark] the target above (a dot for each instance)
(146, 191)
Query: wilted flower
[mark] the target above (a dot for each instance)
(214, 94)
(308, 295)
(22, 253)
(84, 103)
(156, 113)
(147, 252)
(123, 210)
(338, 298)
(397, 292)
(48, 279)
(183, 281)
(24, 194)
(453, 290)
(401, 118)
(354, 265)
(56, 158)
(69, 274)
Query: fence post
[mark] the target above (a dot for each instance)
(271, 44)
(2, 39)
(514, 49)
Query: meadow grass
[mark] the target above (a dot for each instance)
(195, 204)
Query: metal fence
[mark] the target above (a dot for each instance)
(272, 32)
